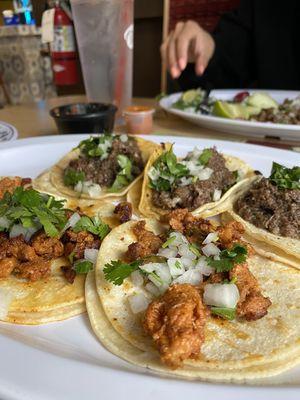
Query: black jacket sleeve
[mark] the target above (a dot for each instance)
(232, 65)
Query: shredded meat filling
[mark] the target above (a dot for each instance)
(147, 243)
(252, 304)
(123, 211)
(76, 243)
(176, 323)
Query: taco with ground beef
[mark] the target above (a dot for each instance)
(100, 167)
(192, 299)
(200, 182)
(45, 252)
(269, 209)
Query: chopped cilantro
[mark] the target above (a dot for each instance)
(205, 156)
(168, 242)
(285, 178)
(124, 177)
(228, 258)
(169, 171)
(82, 266)
(96, 146)
(72, 177)
(33, 209)
(93, 225)
(226, 313)
(117, 271)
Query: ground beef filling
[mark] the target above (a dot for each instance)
(268, 207)
(195, 195)
(104, 172)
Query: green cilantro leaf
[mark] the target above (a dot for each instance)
(124, 177)
(226, 313)
(96, 146)
(169, 171)
(228, 258)
(205, 156)
(72, 177)
(82, 266)
(117, 271)
(94, 225)
(285, 178)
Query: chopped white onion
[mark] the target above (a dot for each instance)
(6, 297)
(211, 237)
(4, 223)
(138, 302)
(91, 255)
(153, 174)
(210, 249)
(151, 288)
(88, 187)
(203, 267)
(204, 174)
(179, 239)
(94, 190)
(217, 194)
(72, 221)
(184, 251)
(137, 278)
(176, 267)
(78, 187)
(184, 181)
(221, 295)
(187, 262)
(192, 276)
(168, 253)
(123, 138)
(18, 230)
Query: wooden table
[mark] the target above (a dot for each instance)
(34, 120)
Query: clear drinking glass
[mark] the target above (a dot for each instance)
(104, 31)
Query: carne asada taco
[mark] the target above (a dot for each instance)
(269, 209)
(101, 166)
(201, 182)
(193, 300)
(45, 253)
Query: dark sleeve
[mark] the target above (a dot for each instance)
(233, 64)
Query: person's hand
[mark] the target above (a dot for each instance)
(187, 43)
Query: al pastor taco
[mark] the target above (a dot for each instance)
(200, 182)
(193, 300)
(45, 253)
(269, 209)
(101, 166)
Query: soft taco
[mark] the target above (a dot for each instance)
(45, 252)
(269, 209)
(193, 300)
(200, 182)
(100, 167)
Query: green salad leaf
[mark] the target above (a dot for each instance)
(167, 171)
(226, 313)
(117, 271)
(72, 177)
(285, 178)
(33, 209)
(94, 225)
(228, 258)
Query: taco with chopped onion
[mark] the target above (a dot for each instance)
(269, 209)
(45, 252)
(200, 182)
(193, 300)
(100, 167)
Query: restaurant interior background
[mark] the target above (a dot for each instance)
(25, 63)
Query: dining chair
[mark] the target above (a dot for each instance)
(206, 12)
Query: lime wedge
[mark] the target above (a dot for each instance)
(229, 110)
(190, 95)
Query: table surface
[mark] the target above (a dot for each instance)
(33, 120)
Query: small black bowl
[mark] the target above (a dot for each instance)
(84, 117)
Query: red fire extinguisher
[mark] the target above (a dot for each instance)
(63, 49)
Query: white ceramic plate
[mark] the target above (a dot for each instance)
(64, 360)
(237, 126)
(7, 132)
